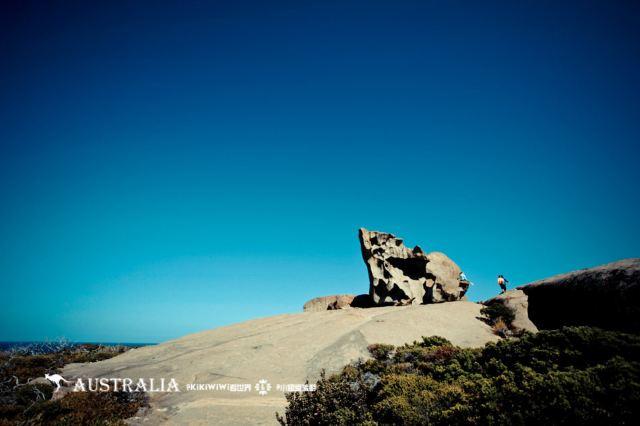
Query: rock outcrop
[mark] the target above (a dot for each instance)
(328, 303)
(400, 276)
(338, 301)
(518, 302)
(607, 296)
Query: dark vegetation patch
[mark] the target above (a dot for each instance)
(498, 312)
(574, 375)
(500, 317)
(22, 402)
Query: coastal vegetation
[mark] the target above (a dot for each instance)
(572, 375)
(27, 398)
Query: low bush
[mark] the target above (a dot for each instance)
(575, 375)
(24, 402)
(381, 352)
(497, 312)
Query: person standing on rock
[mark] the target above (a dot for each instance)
(463, 279)
(464, 283)
(502, 282)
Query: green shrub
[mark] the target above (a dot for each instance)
(496, 312)
(428, 342)
(575, 375)
(381, 351)
(338, 400)
(27, 394)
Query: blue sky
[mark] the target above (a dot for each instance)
(175, 166)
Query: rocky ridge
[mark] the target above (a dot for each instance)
(606, 296)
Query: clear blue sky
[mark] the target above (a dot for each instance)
(171, 167)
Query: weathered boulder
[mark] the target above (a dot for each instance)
(518, 302)
(327, 303)
(399, 275)
(606, 296)
(39, 381)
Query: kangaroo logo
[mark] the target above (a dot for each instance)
(55, 378)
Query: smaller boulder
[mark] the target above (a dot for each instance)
(39, 381)
(518, 302)
(328, 303)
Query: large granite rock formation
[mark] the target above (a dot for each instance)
(606, 296)
(401, 276)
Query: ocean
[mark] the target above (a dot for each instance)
(54, 346)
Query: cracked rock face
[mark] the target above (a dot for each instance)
(400, 276)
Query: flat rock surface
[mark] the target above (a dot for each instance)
(284, 349)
